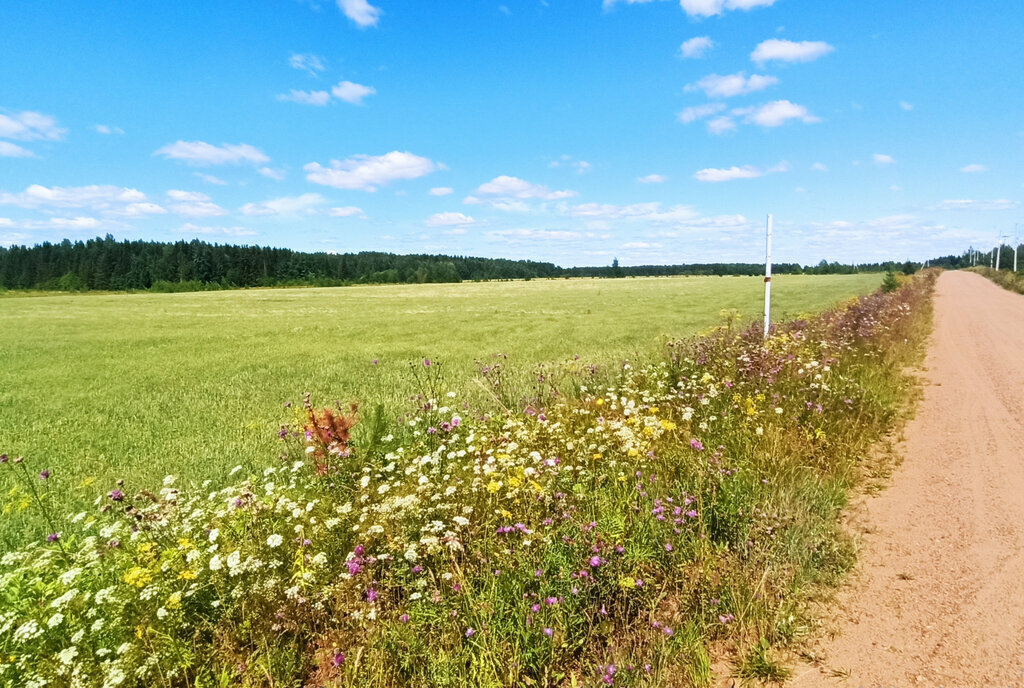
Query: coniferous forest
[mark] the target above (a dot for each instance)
(110, 265)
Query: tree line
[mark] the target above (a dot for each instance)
(107, 264)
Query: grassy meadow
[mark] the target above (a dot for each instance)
(142, 385)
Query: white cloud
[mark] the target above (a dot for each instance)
(210, 179)
(696, 112)
(710, 8)
(360, 11)
(973, 168)
(369, 172)
(513, 187)
(285, 205)
(274, 173)
(652, 179)
(305, 97)
(345, 211)
(729, 85)
(883, 159)
(441, 191)
(968, 204)
(904, 105)
(198, 209)
(712, 174)
(10, 150)
(351, 92)
(95, 197)
(74, 222)
(819, 167)
(527, 235)
(696, 47)
(581, 166)
(650, 213)
(449, 220)
(307, 62)
(776, 114)
(30, 126)
(641, 245)
(6, 222)
(140, 210)
(189, 228)
(202, 153)
(720, 125)
(179, 195)
(790, 51)
(107, 130)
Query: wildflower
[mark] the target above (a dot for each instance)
(44, 475)
(696, 444)
(53, 537)
(274, 540)
(116, 495)
(371, 595)
(216, 563)
(470, 632)
(595, 561)
(338, 659)
(549, 632)
(668, 547)
(404, 618)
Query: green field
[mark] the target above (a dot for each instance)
(142, 385)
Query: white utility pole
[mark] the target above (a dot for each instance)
(999, 250)
(767, 275)
(1016, 243)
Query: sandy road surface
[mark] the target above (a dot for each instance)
(939, 598)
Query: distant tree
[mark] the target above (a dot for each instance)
(616, 270)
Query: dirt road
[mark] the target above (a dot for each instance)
(939, 597)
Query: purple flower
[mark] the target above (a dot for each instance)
(696, 444)
(4, 458)
(375, 361)
(371, 595)
(426, 364)
(404, 618)
(549, 632)
(668, 547)
(53, 537)
(44, 475)
(117, 495)
(470, 632)
(551, 601)
(338, 659)
(595, 561)
(535, 608)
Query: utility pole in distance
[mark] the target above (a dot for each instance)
(767, 275)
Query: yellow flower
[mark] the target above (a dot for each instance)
(187, 574)
(174, 601)
(653, 410)
(668, 425)
(599, 402)
(493, 486)
(184, 543)
(626, 583)
(597, 455)
(633, 452)
(138, 576)
(147, 547)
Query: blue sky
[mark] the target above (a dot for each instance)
(654, 131)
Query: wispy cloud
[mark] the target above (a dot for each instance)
(449, 220)
(696, 112)
(973, 168)
(285, 205)
(190, 229)
(729, 85)
(319, 98)
(11, 150)
(696, 47)
(345, 211)
(781, 50)
(442, 191)
(883, 159)
(714, 174)
(775, 114)
(514, 188)
(971, 204)
(307, 62)
(30, 126)
(652, 179)
(369, 172)
(202, 153)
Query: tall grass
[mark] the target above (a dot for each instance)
(622, 536)
(1007, 279)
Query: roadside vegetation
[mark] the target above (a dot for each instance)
(1007, 279)
(673, 510)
